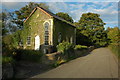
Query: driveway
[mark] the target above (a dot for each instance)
(100, 63)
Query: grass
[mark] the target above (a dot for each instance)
(6, 59)
(29, 55)
(80, 47)
(115, 48)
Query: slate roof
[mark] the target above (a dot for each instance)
(49, 14)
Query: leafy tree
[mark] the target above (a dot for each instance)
(6, 22)
(65, 16)
(23, 13)
(82, 39)
(114, 34)
(92, 26)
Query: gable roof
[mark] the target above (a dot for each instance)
(50, 14)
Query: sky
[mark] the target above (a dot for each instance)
(108, 10)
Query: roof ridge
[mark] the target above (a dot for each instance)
(49, 13)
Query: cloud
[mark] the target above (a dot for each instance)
(11, 6)
(58, 6)
(60, 0)
(74, 10)
(108, 10)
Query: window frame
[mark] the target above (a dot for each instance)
(59, 37)
(28, 41)
(46, 33)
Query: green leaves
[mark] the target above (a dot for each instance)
(92, 26)
(65, 47)
(24, 12)
(114, 34)
(91, 21)
(65, 16)
(80, 47)
(6, 60)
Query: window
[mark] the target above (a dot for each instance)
(46, 35)
(28, 40)
(59, 37)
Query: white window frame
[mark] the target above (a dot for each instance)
(46, 33)
(29, 41)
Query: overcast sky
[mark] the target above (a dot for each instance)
(108, 10)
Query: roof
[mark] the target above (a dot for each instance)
(50, 14)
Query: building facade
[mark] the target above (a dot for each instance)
(44, 30)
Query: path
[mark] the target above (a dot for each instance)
(101, 63)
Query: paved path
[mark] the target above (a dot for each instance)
(101, 63)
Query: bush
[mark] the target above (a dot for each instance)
(65, 47)
(59, 62)
(6, 59)
(28, 55)
(67, 52)
(115, 48)
(80, 47)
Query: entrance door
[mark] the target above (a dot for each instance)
(37, 42)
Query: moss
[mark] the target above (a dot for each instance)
(66, 30)
(34, 26)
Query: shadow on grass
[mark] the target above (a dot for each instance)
(25, 69)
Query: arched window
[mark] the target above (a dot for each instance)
(46, 35)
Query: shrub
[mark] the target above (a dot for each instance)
(28, 55)
(67, 52)
(59, 62)
(65, 47)
(80, 47)
(115, 48)
(6, 59)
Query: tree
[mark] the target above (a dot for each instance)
(92, 26)
(23, 13)
(65, 16)
(114, 34)
(7, 25)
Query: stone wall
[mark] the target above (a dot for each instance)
(53, 57)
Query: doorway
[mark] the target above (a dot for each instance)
(37, 42)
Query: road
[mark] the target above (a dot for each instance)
(100, 63)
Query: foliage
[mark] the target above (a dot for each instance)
(11, 41)
(115, 49)
(28, 55)
(65, 16)
(82, 39)
(6, 59)
(59, 62)
(7, 41)
(7, 24)
(114, 34)
(91, 21)
(67, 53)
(23, 13)
(79, 47)
(65, 47)
(92, 27)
